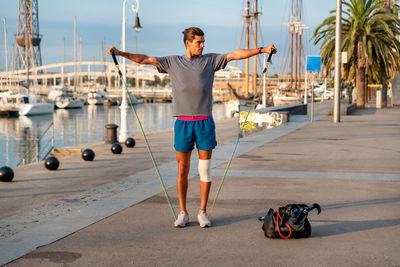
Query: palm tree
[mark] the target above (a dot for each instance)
(369, 36)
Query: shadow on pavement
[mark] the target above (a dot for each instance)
(362, 203)
(342, 227)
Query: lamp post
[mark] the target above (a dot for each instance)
(338, 49)
(123, 133)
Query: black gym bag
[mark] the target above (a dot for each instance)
(289, 222)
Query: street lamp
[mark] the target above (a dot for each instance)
(123, 133)
(137, 26)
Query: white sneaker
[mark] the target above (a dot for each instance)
(203, 220)
(182, 220)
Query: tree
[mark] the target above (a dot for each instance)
(155, 83)
(165, 81)
(369, 36)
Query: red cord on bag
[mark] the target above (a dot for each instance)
(279, 231)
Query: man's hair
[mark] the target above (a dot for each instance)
(190, 33)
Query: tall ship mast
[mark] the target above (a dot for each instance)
(251, 16)
(295, 58)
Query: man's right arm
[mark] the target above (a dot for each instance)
(138, 58)
(246, 53)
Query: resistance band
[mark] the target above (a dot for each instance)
(241, 131)
(144, 135)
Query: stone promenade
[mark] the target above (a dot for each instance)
(112, 211)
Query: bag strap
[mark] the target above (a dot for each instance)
(270, 212)
(277, 225)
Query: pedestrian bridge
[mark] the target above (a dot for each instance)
(80, 76)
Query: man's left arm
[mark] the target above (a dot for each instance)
(246, 53)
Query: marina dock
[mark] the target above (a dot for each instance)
(112, 211)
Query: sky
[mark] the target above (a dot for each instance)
(163, 22)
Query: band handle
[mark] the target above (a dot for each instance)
(269, 59)
(114, 57)
(270, 55)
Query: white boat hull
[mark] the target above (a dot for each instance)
(138, 101)
(286, 100)
(67, 102)
(95, 101)
(36, 109)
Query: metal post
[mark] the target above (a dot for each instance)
(338, 42)
(37, 149)
(305, 84)
(52, 139)
(264, 99)
(312, 99)
(137, 69)
(123, 133)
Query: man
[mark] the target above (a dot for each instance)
(192, 77)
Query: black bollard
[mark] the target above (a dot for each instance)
(88, 154)
(6, 174)
(130, 142)
(116, 148)
(51, 163)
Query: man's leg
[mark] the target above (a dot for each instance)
(204, 186)
(183, 159)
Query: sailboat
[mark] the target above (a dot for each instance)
(63, 98)
(29, 104)
(251, 19)
(23, 103)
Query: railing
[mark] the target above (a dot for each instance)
(38, 151)
(144, 92)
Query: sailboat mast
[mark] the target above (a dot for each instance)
(247, 16)
(255, 43)
(300, 42)
(5, 44)
(75, 53)
(296, 45)
(296, 51)
(5, 51)
(62, 68)
(299, 67)
(291, 28)
(27, 40)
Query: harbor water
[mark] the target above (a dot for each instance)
(22, 137)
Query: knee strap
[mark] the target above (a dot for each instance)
(205, 170)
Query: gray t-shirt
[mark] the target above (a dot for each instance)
(192, 80)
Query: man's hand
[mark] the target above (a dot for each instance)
(268, 49)
(116, 51)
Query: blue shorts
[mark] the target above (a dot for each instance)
(187, 133)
